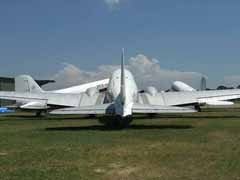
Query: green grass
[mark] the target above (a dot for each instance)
(192, 146)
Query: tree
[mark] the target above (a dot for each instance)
(221, 87)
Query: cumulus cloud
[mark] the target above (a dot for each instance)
(147, 72)
(112, 3)
(71, 75)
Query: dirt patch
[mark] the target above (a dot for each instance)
(3, 154)
(121, 172)
(220, 135)
(99, 171)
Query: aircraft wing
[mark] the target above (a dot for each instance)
(44, 98)
(189, 98)
(158, 109)
(109, 109)
(99, 85)
(55, 99)
(97, 109)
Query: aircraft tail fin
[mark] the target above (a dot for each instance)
(25, 83)
(123, 89)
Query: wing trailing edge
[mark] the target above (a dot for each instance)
(96, 109)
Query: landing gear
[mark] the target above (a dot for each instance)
(198, 108)
(116, 122)
(41, 113)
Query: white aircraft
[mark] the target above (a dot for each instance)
(180, 86)
(25, 83)
(122, 99)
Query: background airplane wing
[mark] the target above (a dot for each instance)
(99, 85)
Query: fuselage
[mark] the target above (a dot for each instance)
(181, 86)
(123, 102)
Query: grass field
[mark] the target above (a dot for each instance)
(200, 146)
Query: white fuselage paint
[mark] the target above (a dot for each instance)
(181, 86)
(84, 87)
(123, 105)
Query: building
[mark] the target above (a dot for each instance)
(203, 83)
(8, 84)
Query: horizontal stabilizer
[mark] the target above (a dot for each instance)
(97, 109)
(156, 109)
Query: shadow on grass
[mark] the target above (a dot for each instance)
(131, 127)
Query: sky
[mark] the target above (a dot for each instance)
(176, 40)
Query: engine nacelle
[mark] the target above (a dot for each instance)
(152, 90)
(91, 91)
(181, 86)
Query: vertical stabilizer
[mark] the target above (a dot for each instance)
(25, 83)
(123, 89)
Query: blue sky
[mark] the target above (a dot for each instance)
(200, 36)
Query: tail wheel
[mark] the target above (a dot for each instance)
(41, 113)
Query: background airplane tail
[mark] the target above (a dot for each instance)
(25, 83)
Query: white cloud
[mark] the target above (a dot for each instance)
(147, 72)
(112, 3)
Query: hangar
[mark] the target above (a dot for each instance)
(8, 84)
